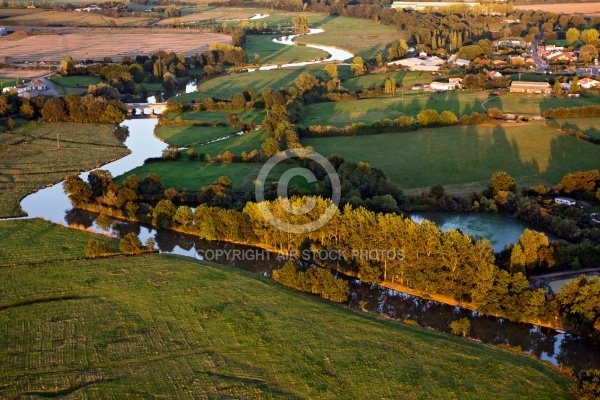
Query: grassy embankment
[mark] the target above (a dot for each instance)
(35, 240)
(155, 325)
(27, 167)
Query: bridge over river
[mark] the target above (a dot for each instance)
(148, 110)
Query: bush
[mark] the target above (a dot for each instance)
(96, 248)
(130, 244)
(461, 327)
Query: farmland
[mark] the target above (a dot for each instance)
(583, 8)
(42, 17)
(589, 126)
(224, 86)
(461, 103)
(274, 53)
(163, 326)
(26, 167)
(93, 46)
(463, 154)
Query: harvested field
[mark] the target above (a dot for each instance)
(43, 17)
(228, 14)
(22, 73)
(587, 9)
(95, 47)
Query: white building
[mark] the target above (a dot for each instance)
(461, 62)
(565, 201)
(588, 83)
(3, 31)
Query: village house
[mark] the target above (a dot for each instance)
(29, 89)
(421, 63)
(462, 62)
(498, 63)
(561, 56)
(3, 31)
(452, 84)
(588, 83)
(565, 201)
(495, 75)
(530, 87)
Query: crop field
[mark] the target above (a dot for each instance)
(83, 46)
(274, 53)
(584, 8)
(220, 14)
(39, 16)
(10, 74)
(52, 242)
(165, 326)
(463, 154)
(224, 86)
(589, 126)
(26, 167)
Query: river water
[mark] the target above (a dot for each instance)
(560, 349)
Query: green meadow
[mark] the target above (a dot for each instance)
(27, 167)
(275, 53)
(463, 154)
(36, 240)
(160, 326)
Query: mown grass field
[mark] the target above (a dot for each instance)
(405, 79)
(36, 240)
(275, 53)
(342, 32)
(463, 154)
(518, 103)
(184, 136)
(26, 167)
(461, 103)
(164, 326)
(589, 126)
(367, 110)
(223, 87)
(192, 176)
(76, 81)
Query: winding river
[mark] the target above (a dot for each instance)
(560, 349)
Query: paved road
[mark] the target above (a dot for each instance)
(540, 65)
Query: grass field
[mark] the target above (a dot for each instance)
(341, 32)
(584, 8)
(162, 326)
(518, 103)
(52, 242)
(463, 154)
(184, 136)
(189, 175)
(367, 110)
(589, 126)
(404, 79)
(461, 103)
(224, 86)
(274, 53)
(26, 167)
(76, 81)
